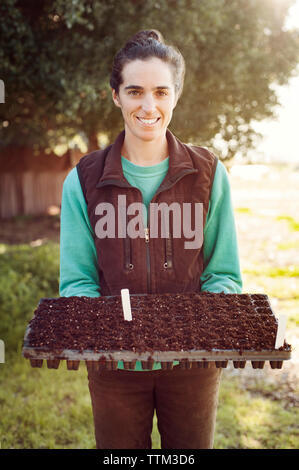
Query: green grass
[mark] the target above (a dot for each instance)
(27, 274)
(244, 210)
(249, 418)
(44, 408)
(293, 224)
(270, 271)
(288, 245)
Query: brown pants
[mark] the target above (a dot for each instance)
(185, 401)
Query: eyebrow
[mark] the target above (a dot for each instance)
(138, 87)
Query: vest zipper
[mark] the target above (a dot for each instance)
(148, 262)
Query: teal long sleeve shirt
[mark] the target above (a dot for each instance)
(78, 257)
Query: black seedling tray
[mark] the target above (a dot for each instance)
(187, 359)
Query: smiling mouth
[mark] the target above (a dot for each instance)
(148, 122)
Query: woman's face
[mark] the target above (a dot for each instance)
(146, 98)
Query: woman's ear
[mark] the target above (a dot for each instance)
(115, 98)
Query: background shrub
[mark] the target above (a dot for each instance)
(27, 274)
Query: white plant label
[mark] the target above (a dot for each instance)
(126, 304)
(282, 323)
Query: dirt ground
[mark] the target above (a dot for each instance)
(29, 229)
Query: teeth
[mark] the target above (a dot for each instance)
(148, 121)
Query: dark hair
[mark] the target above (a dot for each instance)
(145, 45)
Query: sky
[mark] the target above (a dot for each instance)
(280, 136)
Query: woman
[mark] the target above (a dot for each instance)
(147, 164)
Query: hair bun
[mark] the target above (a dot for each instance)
(147, 36)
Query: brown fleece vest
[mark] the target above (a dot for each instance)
(146, 264)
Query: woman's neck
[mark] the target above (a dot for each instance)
(144, 153)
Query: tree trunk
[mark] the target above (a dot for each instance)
(93, 143)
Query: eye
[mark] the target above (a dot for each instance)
(134, 92)
(162, 93)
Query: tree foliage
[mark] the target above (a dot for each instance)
(56, 60)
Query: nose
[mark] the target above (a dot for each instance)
(148, 104)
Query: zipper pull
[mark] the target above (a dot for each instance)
(146, 233)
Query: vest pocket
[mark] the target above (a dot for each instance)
(127, 254)
(168, 263)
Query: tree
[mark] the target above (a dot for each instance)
(56, 59)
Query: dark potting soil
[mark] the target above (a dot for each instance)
(161, 322)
